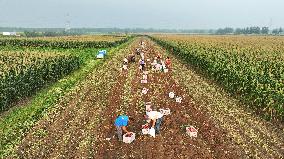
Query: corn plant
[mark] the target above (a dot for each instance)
(250, 68)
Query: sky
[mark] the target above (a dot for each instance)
(159, 14)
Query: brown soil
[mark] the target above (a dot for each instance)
(173, 142)
(83, 121)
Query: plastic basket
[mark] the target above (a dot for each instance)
(144, 81)
(124, 67)
(145, 129)
(166, 111)
(191, 131)
(144, 77)
(144, 90)
(178, 99)
(128, 139)
(172, 95)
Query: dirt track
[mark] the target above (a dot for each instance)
(78, 128)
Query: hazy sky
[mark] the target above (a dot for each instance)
(178, 14)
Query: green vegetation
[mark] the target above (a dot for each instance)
(19, 121)
(250, 67)
(43, 43)
(24, 72)
(29, 64)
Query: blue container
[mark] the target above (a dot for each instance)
(103, 52)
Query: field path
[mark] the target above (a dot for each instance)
(172, 142)
(81, 125)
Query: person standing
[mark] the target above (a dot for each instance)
(142, 64)
(168, 62)
(121, 122)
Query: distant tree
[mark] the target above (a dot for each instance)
(264, 30)
(238, 31)
(280, 30)
(226, 30)
(275, 31)
(247, 30)
(31, 34)
(254, 30)
(211, 31)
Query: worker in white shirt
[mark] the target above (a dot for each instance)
(155, 119)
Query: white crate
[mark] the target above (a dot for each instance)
(145, 90)
(158, 67)
(124, 67)
(145, 129)
(172, 95)
(144, 77)
(178, 99)
(145, 72)
(152, 132)
(191, 131)
(144, 81)
(129, 139)
(166, 111)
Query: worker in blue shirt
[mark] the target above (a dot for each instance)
(120, 123)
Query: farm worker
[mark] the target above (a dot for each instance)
(154, 64)
(168, 62)
(137, 51)
(131, 58)
(159, 58)
(163, 66)
(142, 64)
(120, 123)
(125, 61)
(142, 55)
(155, 119)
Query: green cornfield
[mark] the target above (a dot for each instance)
(250, 68)
(21, 73)
(26, 65)
(61, 43)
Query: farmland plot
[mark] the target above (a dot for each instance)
(251, 68)
(21, 73)
(15, 122)
(82, 124)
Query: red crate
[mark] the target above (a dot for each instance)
(191, 131)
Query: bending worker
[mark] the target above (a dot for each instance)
(155, 119)
(121, 122)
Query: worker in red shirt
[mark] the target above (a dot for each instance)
(168, 62)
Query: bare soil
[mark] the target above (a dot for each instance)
(81, 125)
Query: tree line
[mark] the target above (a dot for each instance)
(37, 32)
(249, 30)
(47, 33)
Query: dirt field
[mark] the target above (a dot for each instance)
(79, 126)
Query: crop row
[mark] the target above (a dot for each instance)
(23, 73)
(66, 44)
(256, 76)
